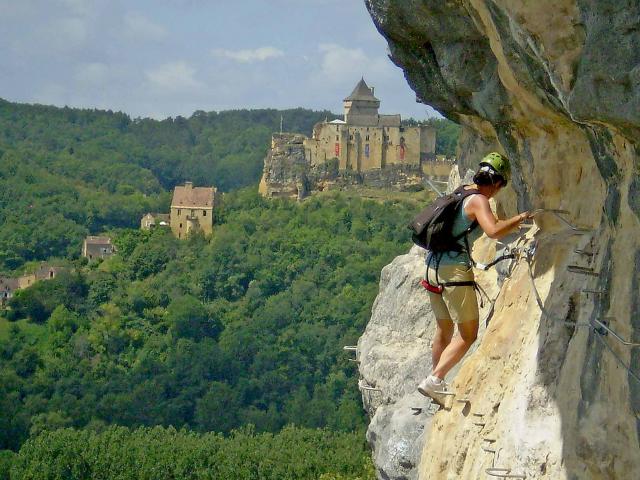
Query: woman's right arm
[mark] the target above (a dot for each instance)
(479, 207)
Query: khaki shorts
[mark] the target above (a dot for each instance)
(458, 304)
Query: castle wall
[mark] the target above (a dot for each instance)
(363, 148)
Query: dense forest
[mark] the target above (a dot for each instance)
(245, 328)
(68, 172)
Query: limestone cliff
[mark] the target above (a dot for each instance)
(550, 392)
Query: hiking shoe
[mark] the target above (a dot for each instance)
(434, 388)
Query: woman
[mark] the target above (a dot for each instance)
(458, 304)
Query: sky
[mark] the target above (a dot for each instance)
(160, 58)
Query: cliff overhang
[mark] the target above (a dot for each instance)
(556, 87)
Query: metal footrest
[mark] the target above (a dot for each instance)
(583, 270)
(503, 473)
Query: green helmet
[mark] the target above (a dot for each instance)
(499, 163)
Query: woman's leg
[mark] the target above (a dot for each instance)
(442, 338)
(467, 334)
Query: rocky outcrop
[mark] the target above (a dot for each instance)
(288, 172)
(394, 354)
(556, 87)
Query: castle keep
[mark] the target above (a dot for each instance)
(365, 148)
(366, 140)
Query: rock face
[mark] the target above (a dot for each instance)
(394, 354)
(556, 87)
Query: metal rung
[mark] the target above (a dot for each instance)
(584, 270)
(368, 387)
(463, 400)
(353, 360)
(477, 414)
(488, 450)
(489, 440)
(584, 252)
(617, 337)
(416, 410)
(442, 392)
(479, 424)
(503, 473)
(595, 292)
(353, 348)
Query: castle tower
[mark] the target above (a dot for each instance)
(361, 107)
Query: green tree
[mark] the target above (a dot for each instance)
(188, 318)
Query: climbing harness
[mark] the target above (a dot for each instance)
(439, 287)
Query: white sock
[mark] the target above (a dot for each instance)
(435, 379)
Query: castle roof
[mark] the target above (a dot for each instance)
(189, 196)
(361, 92)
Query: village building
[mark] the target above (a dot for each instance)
(44, 272)
(8, 285)
(153, 220)
(366, 140)
(94, 248)
(192, 209)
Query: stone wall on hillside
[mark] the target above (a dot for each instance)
(556, 87)
(288, 172)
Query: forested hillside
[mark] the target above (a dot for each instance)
(69, 172)
(247, 328)
(211, 335)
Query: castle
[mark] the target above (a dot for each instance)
(366, 140)
(365, 148)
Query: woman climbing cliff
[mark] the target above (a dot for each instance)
(450, 280)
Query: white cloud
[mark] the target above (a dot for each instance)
(69, 32)
(249, 56)
(339, 64)
(139, 26)
(174, 76)
(79, 7)
(92, 73)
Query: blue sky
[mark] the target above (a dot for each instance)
(171, 57)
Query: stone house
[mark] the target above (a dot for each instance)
(152, 220)
(8, 285)
(94, 247)
(44, 272)
(192, 209)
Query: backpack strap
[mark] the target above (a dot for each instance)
(467, 193)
